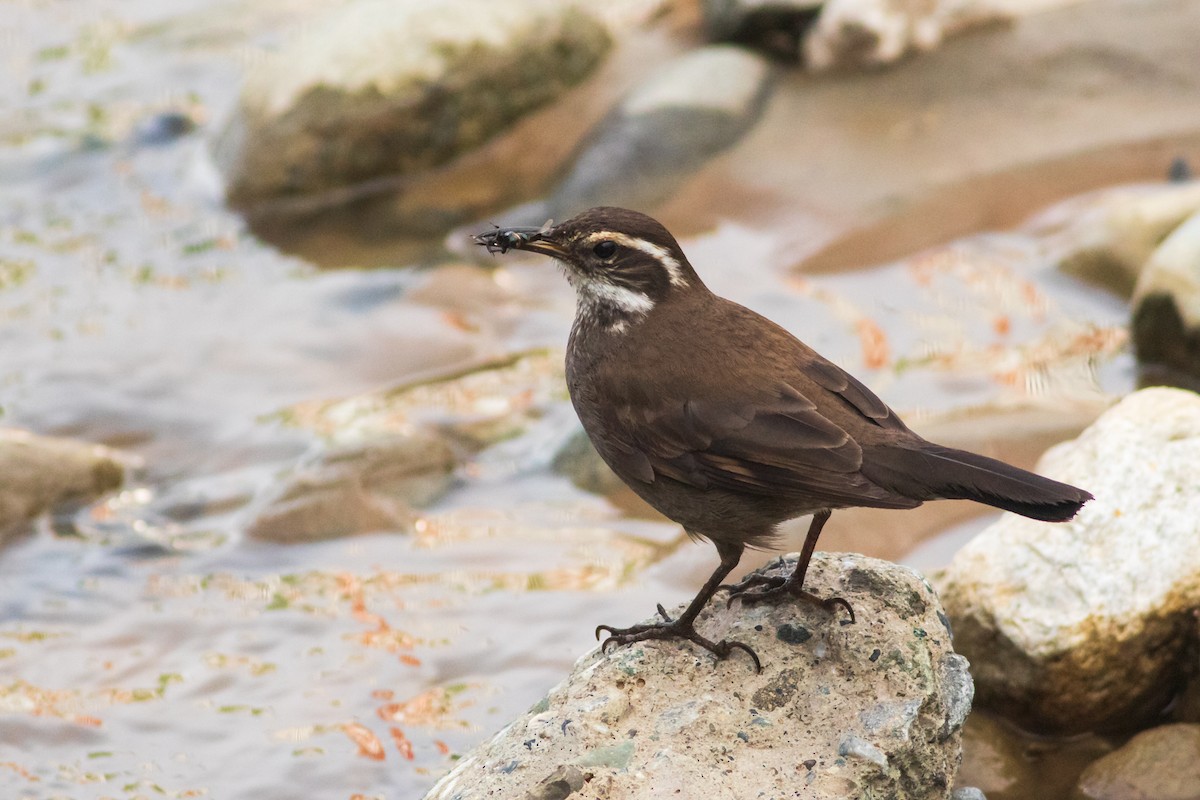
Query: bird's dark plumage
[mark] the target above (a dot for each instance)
(728, 424)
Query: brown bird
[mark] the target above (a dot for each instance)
(728, 424)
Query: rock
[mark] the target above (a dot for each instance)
(381, 454)
(162, 128)
(872, 709)
(772, 25)
(1166, 304)
(578, 460)
(1159, 764)
(1106, 237)
(865, 33)
(692, 109)
(968, 793)
(348, 490)
(1085, 625)
(381, 89)
(474, 408)
(38, 472)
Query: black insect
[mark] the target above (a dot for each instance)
(502, 240)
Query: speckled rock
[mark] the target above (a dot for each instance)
(688, 111)
(1086, 625)
(1106, 237)
(37, 472)
(872, 709)
(1166, 303)
(863, 33)
(385, 88)
(1159, 764)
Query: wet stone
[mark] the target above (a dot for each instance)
(1108, 237)
(39, 472)
(646, 720)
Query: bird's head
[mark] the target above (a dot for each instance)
(622, 263)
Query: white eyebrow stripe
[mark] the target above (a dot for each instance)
(657, 252)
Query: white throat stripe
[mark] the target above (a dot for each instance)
(658, 253)
(618, 297)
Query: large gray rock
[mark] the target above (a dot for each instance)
(1166, 304)
(1086, 625)
(385, 89)
(690, 110)
(872, 709)
(37, 472)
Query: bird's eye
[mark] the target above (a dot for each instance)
(605, 249)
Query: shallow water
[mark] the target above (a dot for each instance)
(148, 648)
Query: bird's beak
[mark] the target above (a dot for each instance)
(534, 240)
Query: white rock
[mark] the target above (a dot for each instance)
(1085, 624)
(856, 33)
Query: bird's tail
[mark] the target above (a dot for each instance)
(934, 472)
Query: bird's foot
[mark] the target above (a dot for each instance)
(779, 588)
(736, 590)
(673, 629)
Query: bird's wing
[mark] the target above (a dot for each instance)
(773, 443)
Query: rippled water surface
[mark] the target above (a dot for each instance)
(147, 646)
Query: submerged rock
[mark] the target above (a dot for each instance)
(38, 472)
(1085, 625)
(1159, 764)
(864, 33)
(354, 489)
(692, 109)
(382, 454)
(873, 709)
(1166, 304)
(1106, 237)
(384, 89)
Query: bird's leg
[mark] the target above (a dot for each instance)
(684, 627)
(778, 587)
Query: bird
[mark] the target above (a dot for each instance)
(728, 424)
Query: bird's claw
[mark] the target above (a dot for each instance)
(772, 582)
(777, 589)
(672, 629)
